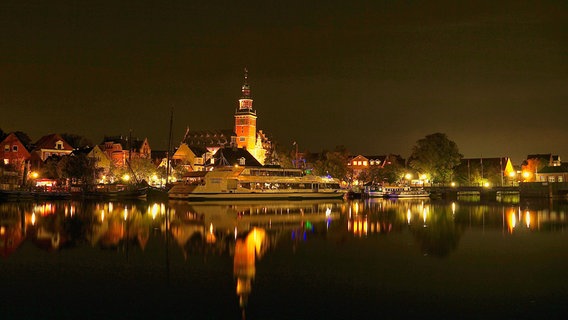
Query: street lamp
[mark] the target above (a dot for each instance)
(408, 177)
(526, 175)
(512, 175)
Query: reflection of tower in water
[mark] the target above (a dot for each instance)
(246, 251)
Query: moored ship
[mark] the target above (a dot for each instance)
(406, 192)
(242, 183)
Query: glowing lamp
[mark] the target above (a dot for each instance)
(526, 174)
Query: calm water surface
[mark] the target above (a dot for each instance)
(284, 260)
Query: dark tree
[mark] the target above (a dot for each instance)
(76, 141)
(77, 168)
(390, 173)
(50, 168)
(334, 163)
(435, 155)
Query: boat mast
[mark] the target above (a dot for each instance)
(168, 156)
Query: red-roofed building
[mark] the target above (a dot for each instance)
(13, 153)
(47, 146)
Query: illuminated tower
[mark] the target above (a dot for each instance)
(245, 119)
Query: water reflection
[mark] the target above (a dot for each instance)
(246, 233)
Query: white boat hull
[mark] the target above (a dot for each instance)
(258, 196)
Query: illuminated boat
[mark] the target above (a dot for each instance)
(406, 192)
(374, 191)
(242, 183)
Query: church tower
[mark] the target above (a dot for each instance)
(245, 119)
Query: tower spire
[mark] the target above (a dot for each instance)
(245, 89)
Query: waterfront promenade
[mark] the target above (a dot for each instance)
(525, 189)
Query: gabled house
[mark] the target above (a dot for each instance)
(47, 146)
(141, 149)
(14, 154)
(120, 149)
(555, 173)
(233, 156)
(362, 163)
(192, 158)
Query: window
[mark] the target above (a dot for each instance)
(551, 179)
(59, 145)
(6, 148)
(242, 161)
(560, 179)
(14, 148)
(242, 139)
(365, 163)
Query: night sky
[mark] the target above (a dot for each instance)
(374, 76)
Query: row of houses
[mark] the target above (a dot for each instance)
(471, 171)
(19, 160)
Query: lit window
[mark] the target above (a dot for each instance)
(59, 145)
(6, 147)
(365, 163)
(551, 179)
(6, 161)
(560, 179)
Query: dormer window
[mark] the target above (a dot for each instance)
(6, 148)
(59, 145)
(242, 161)
(14, 148)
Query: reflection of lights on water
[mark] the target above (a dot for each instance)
(33, 219)
(210, 238)
(154, 211)
(125, 213)
(453, 208)
(110, 208)
(327, 212)
(2, 230)
(424, 214)
(408, 216)
(102, 215)
(236, 233)
(511, 220)
(528, 219)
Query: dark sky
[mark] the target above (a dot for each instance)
(374, 76)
